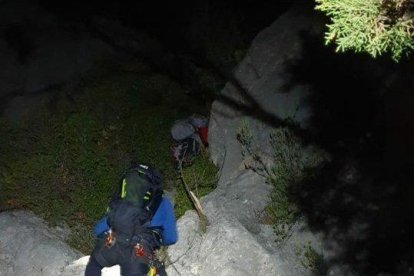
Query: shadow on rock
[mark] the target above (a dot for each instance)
(361, 201)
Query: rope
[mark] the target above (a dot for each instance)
(196, 202)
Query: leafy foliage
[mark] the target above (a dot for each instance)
(372, 26)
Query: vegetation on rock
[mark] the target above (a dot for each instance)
(291, 163)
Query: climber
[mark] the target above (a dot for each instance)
(140, 219)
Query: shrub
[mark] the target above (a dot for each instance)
(310, 258)
(372, 26)
(287, 170)
(245, 138)
(292, 163)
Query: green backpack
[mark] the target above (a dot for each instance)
(135, 201)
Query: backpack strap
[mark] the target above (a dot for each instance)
(153, 200)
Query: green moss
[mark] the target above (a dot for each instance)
(64, 166)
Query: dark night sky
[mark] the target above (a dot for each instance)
(170, 19)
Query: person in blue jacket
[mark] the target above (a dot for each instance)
(163, 219)
(136, 257)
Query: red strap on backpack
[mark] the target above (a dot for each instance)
(203, 133)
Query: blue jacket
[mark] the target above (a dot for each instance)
(163, 219)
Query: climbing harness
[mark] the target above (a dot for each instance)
(152, 271)
(139, 250)
(155, 268)
(152, 264)
(110, 239)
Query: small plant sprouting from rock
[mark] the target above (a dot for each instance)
(291, 164)
(250, 151)
(286, 171)
(245, 137)
(310, 258)
(314, 260)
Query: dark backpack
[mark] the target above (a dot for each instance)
(135, 201)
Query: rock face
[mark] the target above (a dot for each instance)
(227, 247)
(235, 242)
(258, 92)
(29, 247)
